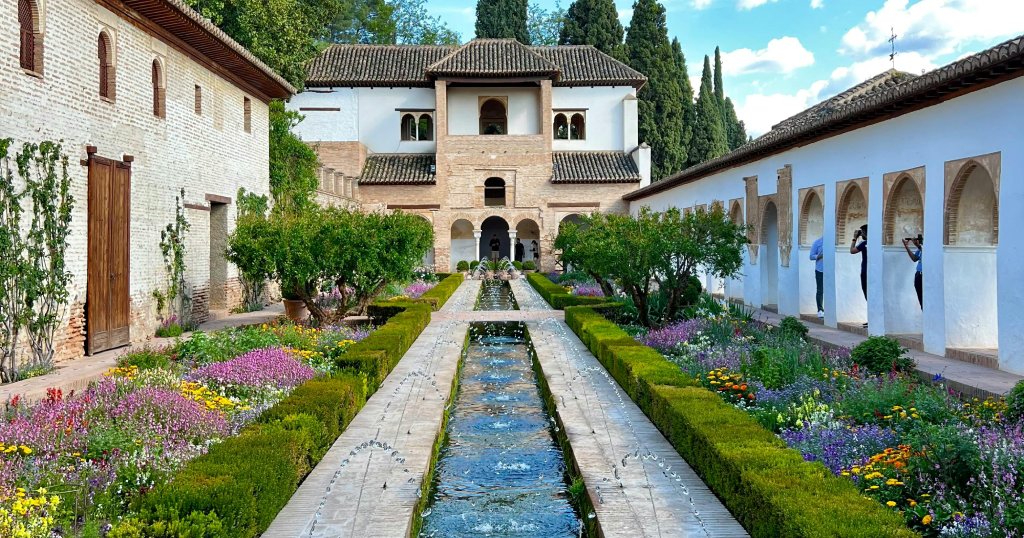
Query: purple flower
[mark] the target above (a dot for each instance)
(839, 446)
(418, 288)
(670, 336)
(588, 290)
(273, 367)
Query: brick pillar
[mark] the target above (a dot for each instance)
(545, 113)
(440, 113)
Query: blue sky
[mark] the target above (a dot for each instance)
(782, 56)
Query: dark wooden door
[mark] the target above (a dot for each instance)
(108, 305)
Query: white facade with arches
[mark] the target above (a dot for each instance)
(952, 170)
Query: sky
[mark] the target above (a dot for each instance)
(782, 56)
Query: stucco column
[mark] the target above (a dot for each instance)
(440, 113)
(546, 129)
(478, 234)
(512, 243)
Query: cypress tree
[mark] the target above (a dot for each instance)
(736, 131)
(709, 137)
(686, 88)
(719, 88)
(592, 22)
(660, 108)
(502, 19)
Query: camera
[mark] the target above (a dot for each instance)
(919, 239)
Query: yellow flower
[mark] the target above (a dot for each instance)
(927, 519)
(891, 504)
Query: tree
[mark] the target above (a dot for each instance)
(545, 26)
(709, 137)
(719, 88)
(502, 19)
(660, 107)
(592, 22)
(385, 22)
(736, 131)
(293, 164)
(655, 257)
(687, 100)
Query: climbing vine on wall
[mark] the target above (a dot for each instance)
(174, 302)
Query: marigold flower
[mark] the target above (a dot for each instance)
(927, 519)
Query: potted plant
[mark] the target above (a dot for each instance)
(294, 306)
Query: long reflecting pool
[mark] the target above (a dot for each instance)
(496, 295)
(500, 472)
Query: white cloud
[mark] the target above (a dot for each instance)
(751, 4)
(701, 4)
(817, 4)
(781, 55)
(933, 27)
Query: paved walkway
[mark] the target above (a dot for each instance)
(969, 379)
(636, 480)
(77, 374)
(370, 480)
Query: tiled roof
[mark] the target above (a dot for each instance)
(890, 99)
(871, 86)
(398, 169)
(585, 65)
(207, 39)
(594, 167)
(493, 57)
(417, 65)
(374, 65)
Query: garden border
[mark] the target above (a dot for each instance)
(768, 487)
(556, 296)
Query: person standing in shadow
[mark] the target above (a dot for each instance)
(861, 248)
(818, 256)
(915, 256)
(520, 251)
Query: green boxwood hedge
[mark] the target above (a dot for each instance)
(770, 489)
(556, 296)
(436, 297)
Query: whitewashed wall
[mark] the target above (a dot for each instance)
(978, 123)
(523, 109)
(604, 115)
(327, 125)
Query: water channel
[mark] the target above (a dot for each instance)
(500, 471)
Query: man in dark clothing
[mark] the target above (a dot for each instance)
(862, 249)
(915, 256)
(495, 247)
(536, 253)
(520, 251)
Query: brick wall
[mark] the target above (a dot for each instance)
(205, 154)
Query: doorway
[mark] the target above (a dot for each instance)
(108, 303)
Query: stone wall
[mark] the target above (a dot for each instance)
(205, 154)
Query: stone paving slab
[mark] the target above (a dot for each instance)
(369, 482)
(77, 374)
(636, 480)
(969, 379)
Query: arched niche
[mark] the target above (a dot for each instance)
(972, 208)
(494, 227)
(852, 210)
(736, 212)
(494, 192)
(769, 229)
(493, 117)
(528, 232)
(812, 217)
(463, 243)
(904, 207)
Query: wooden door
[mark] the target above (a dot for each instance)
(108, 310)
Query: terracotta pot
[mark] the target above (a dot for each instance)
(295, 310)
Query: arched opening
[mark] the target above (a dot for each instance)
(770, 257)
(811, 228)
(528, 234)
(561, 127)
(463, 247)
(903, 217)
(494, 192)
(851, 213)
(31, 46)
(577, 127)
(105, 54)
(409, 127)
(426, 127)
(493, 118)
(494, 239)
(734, 286)
(969, 263)
(159, 91)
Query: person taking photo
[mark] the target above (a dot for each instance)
(915, 256)
(859, 245)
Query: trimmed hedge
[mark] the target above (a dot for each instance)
(556, 296)
(381, 311)
(238, 487)
(378, 353)
(768, 487)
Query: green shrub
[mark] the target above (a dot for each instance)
(171, 330)
(556, 295)
(145, 358)
(194, 525)
(463, 265)
(769, 488)
(529, 266)
(474, 264)
(518, 265)
(792, 327)
(1015, 402)
(881, 354)
(333, 401)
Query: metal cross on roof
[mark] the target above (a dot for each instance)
(892, 46)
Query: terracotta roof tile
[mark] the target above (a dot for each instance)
(399, 169)
(493, 57)
(594, 167)
(375, 65)
(871, 86)
(585, 65)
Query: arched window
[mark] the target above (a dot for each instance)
(426, 127)
(159, 93)
(106, 58)
(31, 57)
(561, 127)
(493, 118)
(577, 129)
(408, 127)
(494, 192)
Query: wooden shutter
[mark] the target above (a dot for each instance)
(27, 24)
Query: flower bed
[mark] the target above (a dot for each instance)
(74, 464)
(946, 467)
(558, 296)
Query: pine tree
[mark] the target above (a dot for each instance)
(660, 108)
(709, 137)
(686, 88)
(736, 131)
(592, 22)
(502, 19)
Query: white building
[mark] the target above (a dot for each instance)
(940, 154)
(150, 98)
(489, 139)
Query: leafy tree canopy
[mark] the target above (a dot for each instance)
(387, 22)
(545, 26)
(502, 19)
(592, 22)
(709, 136)
(293, 164)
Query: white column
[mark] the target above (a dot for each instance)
(512, 243)
(478, 234)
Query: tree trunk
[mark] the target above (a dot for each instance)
(606, 287)
(315, 310)
(364, 301)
